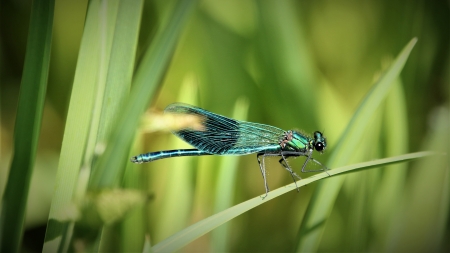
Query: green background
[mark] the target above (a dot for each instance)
(291, 64)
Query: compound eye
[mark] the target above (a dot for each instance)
(319, 146)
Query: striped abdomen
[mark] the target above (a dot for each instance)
(152, 156)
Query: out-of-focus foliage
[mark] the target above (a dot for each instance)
(297, 64)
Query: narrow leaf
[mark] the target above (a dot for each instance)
(28, 124)
(184, 237)
(80, 133)
(111, 165)
(313, 224)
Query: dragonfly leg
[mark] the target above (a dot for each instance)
(323, 168)
(284, 163)
(288, 168)
(262, 167)
(308, 157)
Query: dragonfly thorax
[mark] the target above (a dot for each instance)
(295, 141)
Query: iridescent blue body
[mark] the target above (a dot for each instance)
(219, 135)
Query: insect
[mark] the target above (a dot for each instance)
(219, 135)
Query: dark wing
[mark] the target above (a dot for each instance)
(221, 135)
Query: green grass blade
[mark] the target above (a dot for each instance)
(147, 245)
(360, 185)
(133, 226)
(110, 167)
(323, 199)
(118, 83)
(82, 122)
(182, 238)
(107, 16)
(426, 198)
(121, 64)
(391, 184)
(28, 124)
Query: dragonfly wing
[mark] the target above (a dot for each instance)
(221, 135)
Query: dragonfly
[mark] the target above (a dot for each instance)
(220, 135)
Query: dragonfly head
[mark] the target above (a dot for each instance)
(320, 142)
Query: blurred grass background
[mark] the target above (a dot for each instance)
(291, 64)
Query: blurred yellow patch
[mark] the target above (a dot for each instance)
(154, 121)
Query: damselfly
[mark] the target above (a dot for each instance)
(219, 135)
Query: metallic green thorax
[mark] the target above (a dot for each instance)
(298, 142)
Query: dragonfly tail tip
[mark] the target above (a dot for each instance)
(134, 159)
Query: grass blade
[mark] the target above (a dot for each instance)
(391, 184)
(28, 124)
(118, 83)
(318, 211)
(182, 238)
(121, 64)
(81, 130)
(147, 246)
(133, 226)
(425, 202)
(110, 167)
